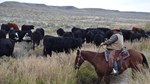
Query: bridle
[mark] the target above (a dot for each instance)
(78, 59)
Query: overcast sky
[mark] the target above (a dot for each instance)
(122, 5)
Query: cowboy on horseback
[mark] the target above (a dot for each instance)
(113, 44)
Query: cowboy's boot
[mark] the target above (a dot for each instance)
(115, 69)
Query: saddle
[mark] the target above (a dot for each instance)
(118, 54)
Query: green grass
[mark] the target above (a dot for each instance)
(86, 74)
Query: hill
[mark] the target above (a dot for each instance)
(56, 16)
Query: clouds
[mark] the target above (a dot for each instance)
(122, 5)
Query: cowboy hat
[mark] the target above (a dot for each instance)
(115, 29)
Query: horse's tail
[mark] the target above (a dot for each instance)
(145, 60)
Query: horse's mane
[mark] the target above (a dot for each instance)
(92, 52)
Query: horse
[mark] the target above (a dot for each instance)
(102, 66)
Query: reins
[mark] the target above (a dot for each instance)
(98, 52)
(92, 59)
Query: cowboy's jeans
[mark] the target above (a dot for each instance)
(115, 65)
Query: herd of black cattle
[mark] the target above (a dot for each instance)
(65, 42)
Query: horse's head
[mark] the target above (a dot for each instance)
(79, 60)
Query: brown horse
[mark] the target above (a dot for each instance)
(102, 67)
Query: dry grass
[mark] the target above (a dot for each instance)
(140, 78)
(38, 70)
(32, 68)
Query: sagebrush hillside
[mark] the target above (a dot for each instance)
(45, 16)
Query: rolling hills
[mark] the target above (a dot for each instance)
(47, 16)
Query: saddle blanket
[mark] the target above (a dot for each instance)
(123, 54)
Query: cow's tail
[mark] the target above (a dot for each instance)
(145, 63)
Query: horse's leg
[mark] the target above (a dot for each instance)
(107, 79)
(99, 79)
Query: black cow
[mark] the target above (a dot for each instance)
(37, 36)
(75, 29)
(135, 36)
(59, 44)
(18, 35)
(27, 27)
(2, 34)
(80, 33)
(5, 27)
(27, 35)
(91, 33)
(103, 29)
(68, 34)
(60, 32)
(109, 34)
(148, 33)
(89, 37)
(6, 47)
(98, 39)
(126, 34)
(13, 34)
(41, 31)
(141, 31)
